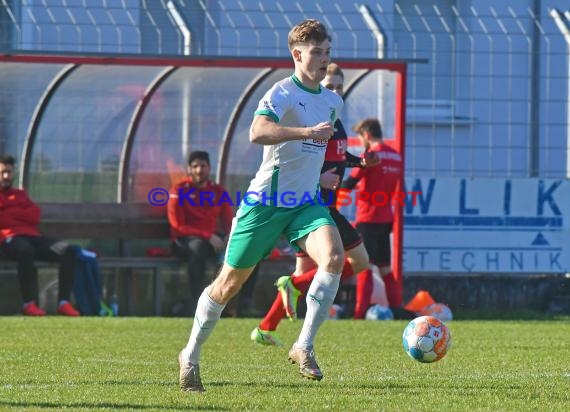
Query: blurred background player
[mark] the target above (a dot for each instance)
(198, 230)
(290, 288)
(21, 240)
(374, 216)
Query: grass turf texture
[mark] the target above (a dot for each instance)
(131, 364)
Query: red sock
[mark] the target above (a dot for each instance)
(277, 311)
(274, 315)
(303, 281)
(393, 292)
(347, 271)
(363, 293)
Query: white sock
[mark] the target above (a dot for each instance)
(320, 297)
(207, 314)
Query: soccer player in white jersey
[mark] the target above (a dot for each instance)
(294, 121)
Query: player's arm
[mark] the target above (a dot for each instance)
(266, 131)
(368, 159)
(329, 179)
(349, 183)
(353, 161)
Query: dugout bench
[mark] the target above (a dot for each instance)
(117, 223)
(124, 223)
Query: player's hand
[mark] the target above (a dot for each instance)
(217, 243)
(370, 159)
(322, 131)
(329, 179)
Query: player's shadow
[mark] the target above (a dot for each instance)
(104, 405)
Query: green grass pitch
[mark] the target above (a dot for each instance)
(130, 364)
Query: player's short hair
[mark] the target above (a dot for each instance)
(369, 125)
(7, 160)
(309, 31)
(334, 69)
(199, 155)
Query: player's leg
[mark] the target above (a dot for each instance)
(264, 333)
(254, 232)
(197, 251)
(303, 264)
(316, 233)
(383, 261)
(56, 250)
(355, 252)
(393, 287)
(298, 283)
(357, 260)
(211, 303)
(21, 250)
(289, 290)
(292, 287)
(364, 281)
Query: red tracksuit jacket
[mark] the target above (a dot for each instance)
(18, 214)
(201, 218)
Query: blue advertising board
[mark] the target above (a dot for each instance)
(487, 225)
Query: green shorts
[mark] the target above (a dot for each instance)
(256, 230)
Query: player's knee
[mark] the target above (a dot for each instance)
(230, 291)
(358, 258)
(358, 265)
(223, 292)
(25, 251)
(225, 287)
(335, 261)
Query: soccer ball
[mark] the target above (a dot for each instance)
(426, 339)
(378, 312)
(440, 311)
(336, 311)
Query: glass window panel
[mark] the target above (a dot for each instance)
(190, 111)
(21, 88)
(78, 145)
(245, 157)
(373, 96)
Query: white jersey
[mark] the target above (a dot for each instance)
(291, 170)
